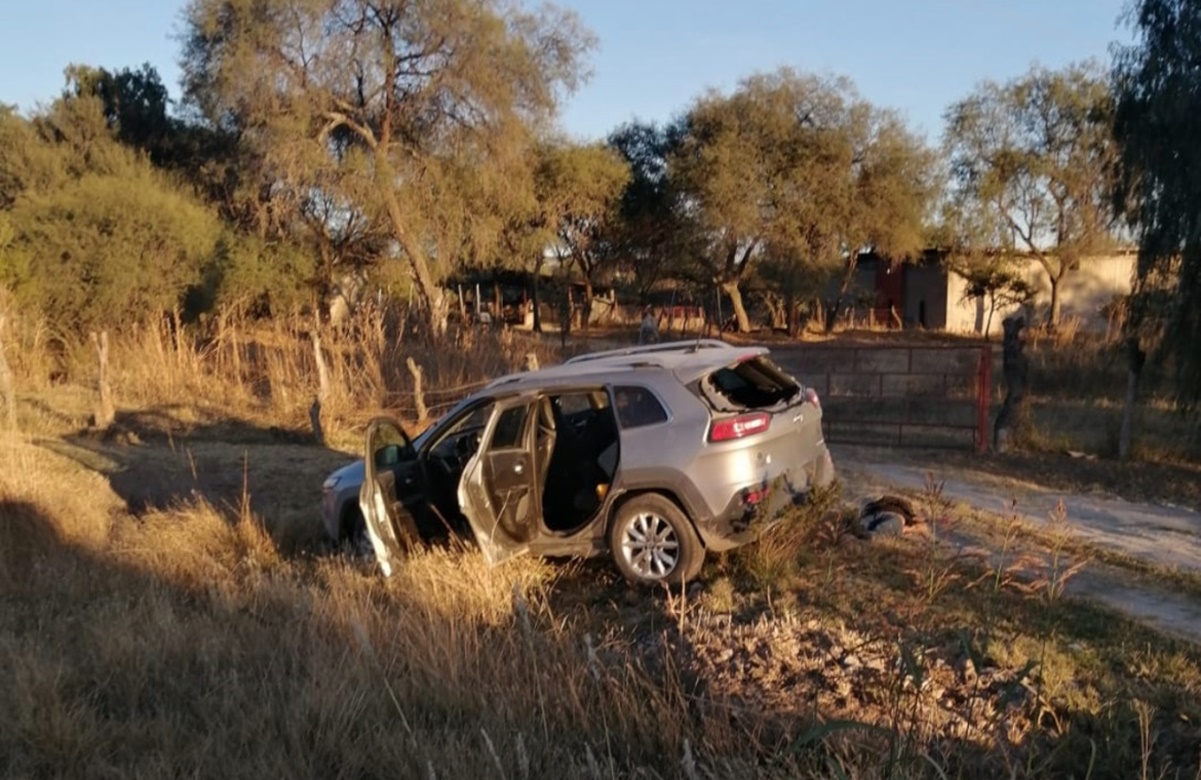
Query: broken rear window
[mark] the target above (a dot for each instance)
(756, 383)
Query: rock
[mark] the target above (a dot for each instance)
(967, 670)
(851, 661)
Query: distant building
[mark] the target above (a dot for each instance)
(927, 294)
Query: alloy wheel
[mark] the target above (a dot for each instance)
(650, 545)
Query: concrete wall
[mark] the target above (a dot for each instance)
(1084, 295)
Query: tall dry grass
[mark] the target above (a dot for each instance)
(182, 643)
(268, 372)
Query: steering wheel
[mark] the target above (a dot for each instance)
(467, 445)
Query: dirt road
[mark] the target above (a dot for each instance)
(1165, 537)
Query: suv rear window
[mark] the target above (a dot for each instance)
(756, 383)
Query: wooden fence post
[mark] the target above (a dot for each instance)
(322, 388)
(418, 392)
(105, 411)
(7, 388)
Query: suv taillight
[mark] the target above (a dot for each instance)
(739, 427)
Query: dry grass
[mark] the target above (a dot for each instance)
(269, 375)
(184, 642)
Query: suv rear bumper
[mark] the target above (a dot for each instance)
(756, 508)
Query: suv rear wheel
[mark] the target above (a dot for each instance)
(653, 542)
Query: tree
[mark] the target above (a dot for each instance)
(894, 181)
(109, 249)
(26, 162)
(799, 169)
(95, 236)
(135, 107)
(1158, 121)
(415, 110)
(1032, 163)
(995, 281)
(652, 236)
(580, 188)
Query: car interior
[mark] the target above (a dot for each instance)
(575, 454)
(445, 461)
(576, 451)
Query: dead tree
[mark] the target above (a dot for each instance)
(105, 411)
(1015, 367)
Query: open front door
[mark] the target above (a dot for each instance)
(497, 492)
(387, 457)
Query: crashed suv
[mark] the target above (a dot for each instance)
(653, 455)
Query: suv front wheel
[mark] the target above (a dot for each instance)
(653, 542)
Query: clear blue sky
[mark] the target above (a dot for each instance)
(655, 56)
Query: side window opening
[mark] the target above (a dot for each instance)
(752, 384)
(637, 407)
(509, 428)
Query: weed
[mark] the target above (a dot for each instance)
(1060, 566)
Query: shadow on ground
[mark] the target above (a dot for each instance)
(154, 460)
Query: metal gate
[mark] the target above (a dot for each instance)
(916, 396)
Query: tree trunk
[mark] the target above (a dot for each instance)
(536, 303)
(1053, 315)
(834, 310)
(428, 292)
(791, 314)
(586, 320)
(1136, 358)
(565, 315)
(731, 289)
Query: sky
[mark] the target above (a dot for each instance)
(655, 56)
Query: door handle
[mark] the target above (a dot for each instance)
(519, 468)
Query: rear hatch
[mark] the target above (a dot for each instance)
(754, 399)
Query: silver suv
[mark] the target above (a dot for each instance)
(651, 454)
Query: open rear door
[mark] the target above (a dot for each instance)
(388, 452)
(498, 490)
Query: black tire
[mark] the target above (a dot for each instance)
(354, 533)
(652, 542)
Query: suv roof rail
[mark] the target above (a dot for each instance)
(692, 345)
